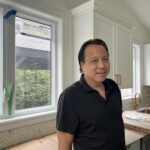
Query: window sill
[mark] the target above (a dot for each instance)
(15, 122)
(127, 98)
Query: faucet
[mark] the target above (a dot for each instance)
(137, 100)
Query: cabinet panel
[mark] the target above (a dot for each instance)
(90, 24)
(146, 143)
(123, 57)
(104, 29)
(134, 146)
(83, 31)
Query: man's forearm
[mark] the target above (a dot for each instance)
(64, 147)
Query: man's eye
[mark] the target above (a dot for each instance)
(105, 58)
(94, 61)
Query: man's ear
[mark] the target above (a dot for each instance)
(82, 66)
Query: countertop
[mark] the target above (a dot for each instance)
(136, 124)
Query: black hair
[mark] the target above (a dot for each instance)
(81, 56)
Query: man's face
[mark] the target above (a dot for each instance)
(96, 64)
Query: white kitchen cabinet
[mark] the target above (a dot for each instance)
(147, 64)
(123, 57)
(146, 143)
(104, 28)
(89, 23)
(134, 146)
(133, 139)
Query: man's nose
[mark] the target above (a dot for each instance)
(100, 63)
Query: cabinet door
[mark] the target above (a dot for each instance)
(123, 57)
(146, 143)
(104, 29)
(134, 146)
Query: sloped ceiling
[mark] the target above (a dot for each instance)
(141, 8)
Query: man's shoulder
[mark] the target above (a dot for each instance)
(111, 82)
(70, 94)
(73, 88)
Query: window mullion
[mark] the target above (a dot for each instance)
(9, 53)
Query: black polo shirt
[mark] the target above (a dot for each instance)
(95, 122)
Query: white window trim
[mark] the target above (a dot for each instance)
(135, 89)
(12, 123)
(27, 119)
(1, 62)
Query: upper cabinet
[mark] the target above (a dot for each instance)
(123, 57)
(147, 64)
(90, 23)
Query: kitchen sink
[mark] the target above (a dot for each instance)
(144, 110)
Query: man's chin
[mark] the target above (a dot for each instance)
(101, 79)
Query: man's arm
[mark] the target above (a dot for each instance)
(65, 140)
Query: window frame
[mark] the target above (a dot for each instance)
(1, 61)
(137, 86)
(9, 58)
(53, 62)
(135, 89)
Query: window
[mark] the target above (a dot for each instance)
(33, 64)
(129, 93)
(31, 61)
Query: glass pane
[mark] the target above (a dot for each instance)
(33, 64)
(127, 93)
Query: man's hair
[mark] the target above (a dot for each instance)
(81, 54)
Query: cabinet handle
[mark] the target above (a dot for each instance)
(119, 79)
(116, 75)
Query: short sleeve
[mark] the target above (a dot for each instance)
(67, 119)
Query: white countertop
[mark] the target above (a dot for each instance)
(136, 122)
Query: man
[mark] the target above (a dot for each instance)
(90, 111)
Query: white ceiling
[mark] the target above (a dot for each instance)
(141, 8)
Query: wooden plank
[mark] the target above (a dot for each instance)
(136, 128)
(46, 143)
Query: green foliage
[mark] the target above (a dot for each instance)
(32, 88)
(9, 96)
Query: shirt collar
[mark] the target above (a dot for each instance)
(87, 88)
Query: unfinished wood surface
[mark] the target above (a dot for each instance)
(46, 143)
(51, 142)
